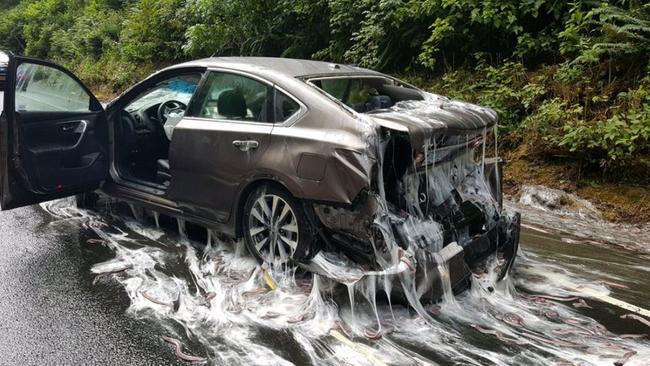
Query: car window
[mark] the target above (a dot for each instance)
(42, 88)
(335, 87)
(4, 60)
(285, 107)
(228, 96)
(367, 93)
(3, 81)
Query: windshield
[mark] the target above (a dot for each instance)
(180, 88)
(367, 93)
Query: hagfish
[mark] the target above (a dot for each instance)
(178, 349)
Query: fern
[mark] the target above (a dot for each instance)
(621, 31)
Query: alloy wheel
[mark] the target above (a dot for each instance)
(273, 229)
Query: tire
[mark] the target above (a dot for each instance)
(87, 200)
(283, 218)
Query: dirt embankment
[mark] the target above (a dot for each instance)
(617, 201)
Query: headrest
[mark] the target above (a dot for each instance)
(231, 104)
(378, 102)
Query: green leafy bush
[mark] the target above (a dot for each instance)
(154, 31)
(620, 139)
(289, 28)
(617, 140)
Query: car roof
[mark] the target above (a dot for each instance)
(285, 66)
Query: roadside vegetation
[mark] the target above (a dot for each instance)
(570, 80)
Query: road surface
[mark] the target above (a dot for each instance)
(52, 314)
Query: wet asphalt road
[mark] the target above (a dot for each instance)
(51, 313)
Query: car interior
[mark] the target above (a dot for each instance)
(367, 94)
(144, 130)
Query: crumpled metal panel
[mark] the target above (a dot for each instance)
(330, 134)
(422, 119)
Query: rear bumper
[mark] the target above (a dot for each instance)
(502, 238)
(458, 261)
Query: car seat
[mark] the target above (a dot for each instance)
(231, 104)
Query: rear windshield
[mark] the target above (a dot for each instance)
(367, 93)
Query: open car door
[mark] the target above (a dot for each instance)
(53, 133)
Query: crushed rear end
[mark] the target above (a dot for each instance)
(435, 203)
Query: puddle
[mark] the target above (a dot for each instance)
(212, 296)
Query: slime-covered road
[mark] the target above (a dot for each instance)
(53, 310)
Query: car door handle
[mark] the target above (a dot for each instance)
(75, 126)
(246, 145)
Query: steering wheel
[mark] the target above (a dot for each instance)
(169, 106)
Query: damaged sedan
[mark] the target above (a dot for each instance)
(333, 167)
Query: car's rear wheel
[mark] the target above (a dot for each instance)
(275, 227)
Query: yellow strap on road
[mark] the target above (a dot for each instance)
(269, 281)
(357, 347)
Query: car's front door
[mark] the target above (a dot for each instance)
(53, 134)
(215, 149)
